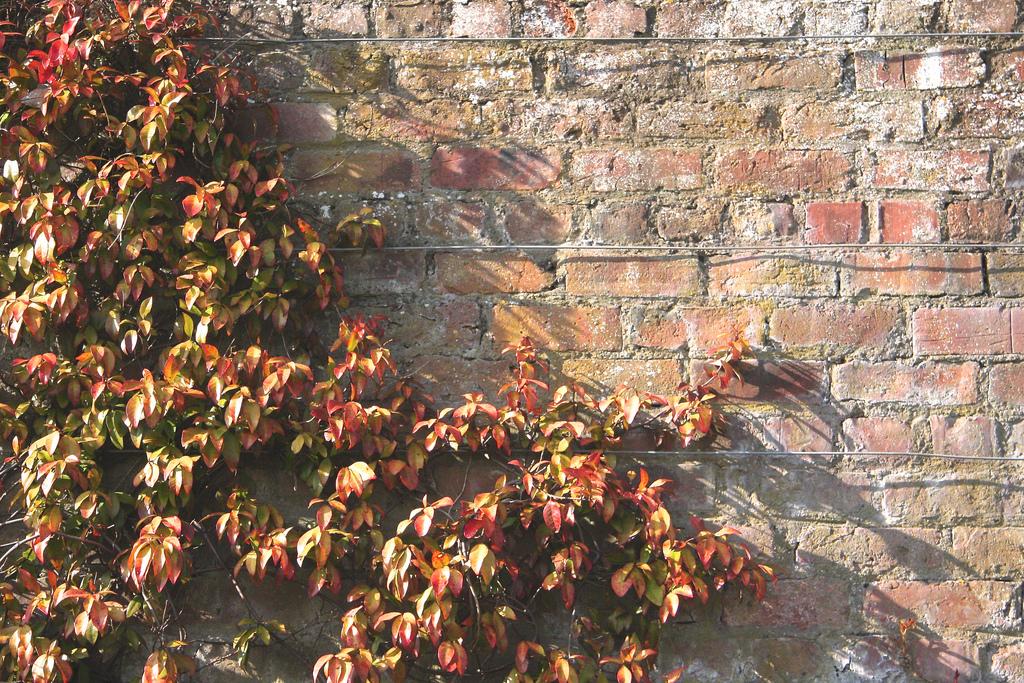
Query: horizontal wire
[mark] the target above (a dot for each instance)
(607, 40)
(867, 454)
(939, 246)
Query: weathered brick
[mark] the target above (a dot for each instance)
(971, 604)
(492, 168)
(387, 117)
(1008, 662)
(764, 18)
(451, 221)
(934, 384)
(449, 376)
(344, 69)
(622, 223)
(379, 273)
(467, 72)
(1007, 383)
(908, 221)
(413, 327)
(558, 328)
(561, 118)
(796, 73)
(344, 170)
(701, 18)
(548, 18)
(982, 15)
(532, 222)
(878, 434)
(401, 19)
(961, 331)
(797, 604)
(905, 273)
(896, 16)
(329, 19)
(769, 276)
(1014, 178)
(491, 274)
(680, 119)
(821, 120)
(977, 115)
(481, 19)
(941, 67)
(693, 221)
(873, 552)
(937, 659)
(630, 277)
(776, 171)
(800, 489)
(834, 222)
(753, 220)
(638, 169)
(978, 220)
(657, 375)
(833, 326)
(951, 171)
(992, 553)
(299, 122)
(1006, 273)
(973, 435)
(700, 329)
(941, 500)
(728, 656)
(615, 19)
(625, 69)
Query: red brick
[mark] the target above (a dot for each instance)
(344, 171)
(799, 434)
(834, 222)
(796, 73)
(971, 604)
(775, 171)
(935, 659)
(638, 169)
(491, 274)
(532, 222)
(488, 168)
(1008, 662)
(849, 327)
(908, 221)
(878, 434)
(936, 384)
(558, 328)
(974, 435)
(961, 331)
(992, 553)
(615, 19)
(699, 329)
(658, 375)
(621, 223)
(799, 604)
(938, 68)
(982, 15)
(299, 122)
(978, 220)
(774, 276)
(481, 19)
(782, 381)
(1007, 383)
(451, 221)
(932, 170)
(629, 277)
(910, 274)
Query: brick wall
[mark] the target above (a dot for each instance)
(680, 144)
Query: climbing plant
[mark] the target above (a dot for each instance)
(163, 304)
